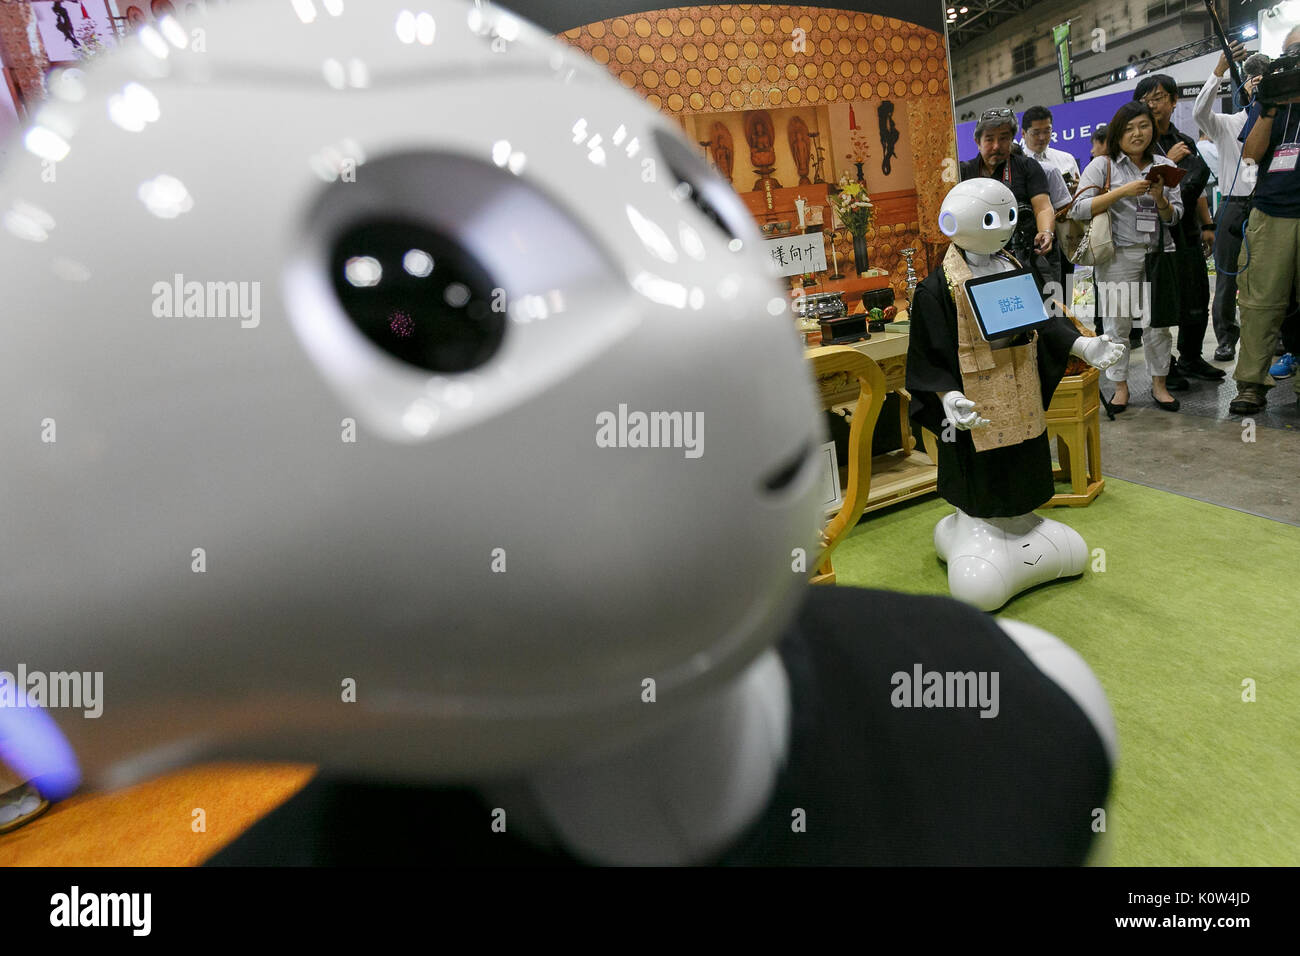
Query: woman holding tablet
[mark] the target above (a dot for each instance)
(1138, 208)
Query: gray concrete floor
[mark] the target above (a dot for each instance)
(1199, 451)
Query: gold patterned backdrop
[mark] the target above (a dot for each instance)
(705, 59)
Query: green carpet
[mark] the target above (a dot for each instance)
(1193, 600)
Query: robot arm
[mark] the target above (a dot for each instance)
(1100, 352)
(960, 410)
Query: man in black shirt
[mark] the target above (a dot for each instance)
(1160, 93)
(994, 134)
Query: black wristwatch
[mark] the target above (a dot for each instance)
(1207, 225)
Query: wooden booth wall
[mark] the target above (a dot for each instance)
(695, 63)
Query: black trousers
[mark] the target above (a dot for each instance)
(1227, 249)
(1291, 328)
(1195, 282)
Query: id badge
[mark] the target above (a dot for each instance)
(1146, 214)
(1284, 158)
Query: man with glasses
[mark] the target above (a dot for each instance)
(1036, 129)
(994, 134)
(1191, 235)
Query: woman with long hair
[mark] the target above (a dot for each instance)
(1123, 297)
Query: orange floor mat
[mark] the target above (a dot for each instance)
(153, 824)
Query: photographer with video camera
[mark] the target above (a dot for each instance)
(1223, 130)
(1036, 226)
(1270, 251)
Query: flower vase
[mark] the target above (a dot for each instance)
(860, 254)
(859, 165)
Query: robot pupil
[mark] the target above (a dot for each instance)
(417, 294)
(988, 219)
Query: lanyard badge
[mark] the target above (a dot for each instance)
(1284, 157)
(1146, 214)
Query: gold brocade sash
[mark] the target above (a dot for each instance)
(1003, 383)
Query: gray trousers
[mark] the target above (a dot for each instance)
(1124, 299)
(1227, 249)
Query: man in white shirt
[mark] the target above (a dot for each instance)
(1223, 130)
(1036, 125)
(1210, 153)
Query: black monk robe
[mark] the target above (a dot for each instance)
(1001, 482)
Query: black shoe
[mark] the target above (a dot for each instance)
(1225, 353)
(1199, 368)
(1175, 381)
(1170, 406)
(1248, 402)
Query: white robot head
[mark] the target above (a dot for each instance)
(403, 395)
(978, 215)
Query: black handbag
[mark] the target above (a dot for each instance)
(1162, 280)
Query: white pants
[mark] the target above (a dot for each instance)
(1124, 300)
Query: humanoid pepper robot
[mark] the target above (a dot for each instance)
(364, 518)
(995, 470)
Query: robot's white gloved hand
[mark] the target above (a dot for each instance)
(960, 410)
(1099, 352)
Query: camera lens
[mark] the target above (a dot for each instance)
(418, 294)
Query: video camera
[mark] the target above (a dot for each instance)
(1281, 80)
(1022, 240)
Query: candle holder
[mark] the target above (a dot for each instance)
(908, 255)
(835, 237)
(817, 158)
(707, 144)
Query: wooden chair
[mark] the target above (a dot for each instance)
(845, 376)
(1074, 428)
(1074, 424)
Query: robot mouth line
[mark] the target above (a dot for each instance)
(783, 475)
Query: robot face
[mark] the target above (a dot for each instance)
(979, 215)
(365, 361)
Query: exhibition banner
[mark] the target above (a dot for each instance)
(1061, 37)
(1072, 126)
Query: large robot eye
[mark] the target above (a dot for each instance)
(1011, 215)
(417, 294)
(991, 220)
